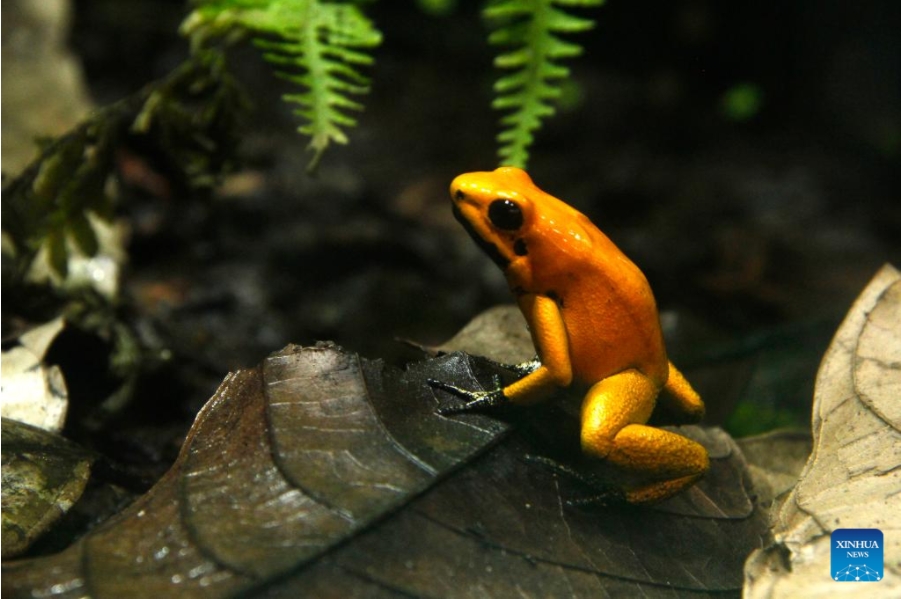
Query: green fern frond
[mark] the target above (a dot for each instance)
(315, 44)
(528, 92)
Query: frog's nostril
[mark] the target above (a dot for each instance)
(459, 194)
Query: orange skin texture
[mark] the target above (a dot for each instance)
(594, 323)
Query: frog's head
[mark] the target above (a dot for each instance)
(496, 208)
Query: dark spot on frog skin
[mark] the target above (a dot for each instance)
(519, 247)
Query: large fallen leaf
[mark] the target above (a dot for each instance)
(43, 476)
(501, 528)
(285, 461)
(853, 478)
(303, 475)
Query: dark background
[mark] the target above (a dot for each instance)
(756, 235)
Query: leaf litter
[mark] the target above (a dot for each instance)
(319, 470)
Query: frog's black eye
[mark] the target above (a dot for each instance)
(505, 214)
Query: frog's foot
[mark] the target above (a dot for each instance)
(603, 493)
(475, 400)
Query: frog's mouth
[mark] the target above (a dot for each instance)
(487, 247)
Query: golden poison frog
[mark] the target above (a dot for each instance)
(594, 323)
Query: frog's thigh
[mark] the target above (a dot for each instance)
(613, 417)
(612, 404)
(658, 453)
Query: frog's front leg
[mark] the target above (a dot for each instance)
(541, 376)
(476, 400)
(614, 414)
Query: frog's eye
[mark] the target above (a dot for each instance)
(505, 214)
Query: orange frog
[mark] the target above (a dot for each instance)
(594, 323)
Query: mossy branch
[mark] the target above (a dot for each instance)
(189, 118)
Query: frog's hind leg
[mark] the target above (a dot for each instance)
(681, 398)
(614, 414)
(669, 461)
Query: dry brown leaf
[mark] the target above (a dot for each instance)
(853, 477)
(33, 392)
(775, 460)
(285, 461)
(43, 476)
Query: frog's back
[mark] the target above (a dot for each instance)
(611, 316)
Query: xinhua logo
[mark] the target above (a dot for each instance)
(857, 555)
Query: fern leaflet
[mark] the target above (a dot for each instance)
(532, 28)
(316, 44)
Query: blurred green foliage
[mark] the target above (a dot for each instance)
(742, 102)
(321, 46)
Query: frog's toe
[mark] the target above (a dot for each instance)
(450, 410)
(482, 401)
(475, 400)
(611, 496)
(437, 384)
(603, 493)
